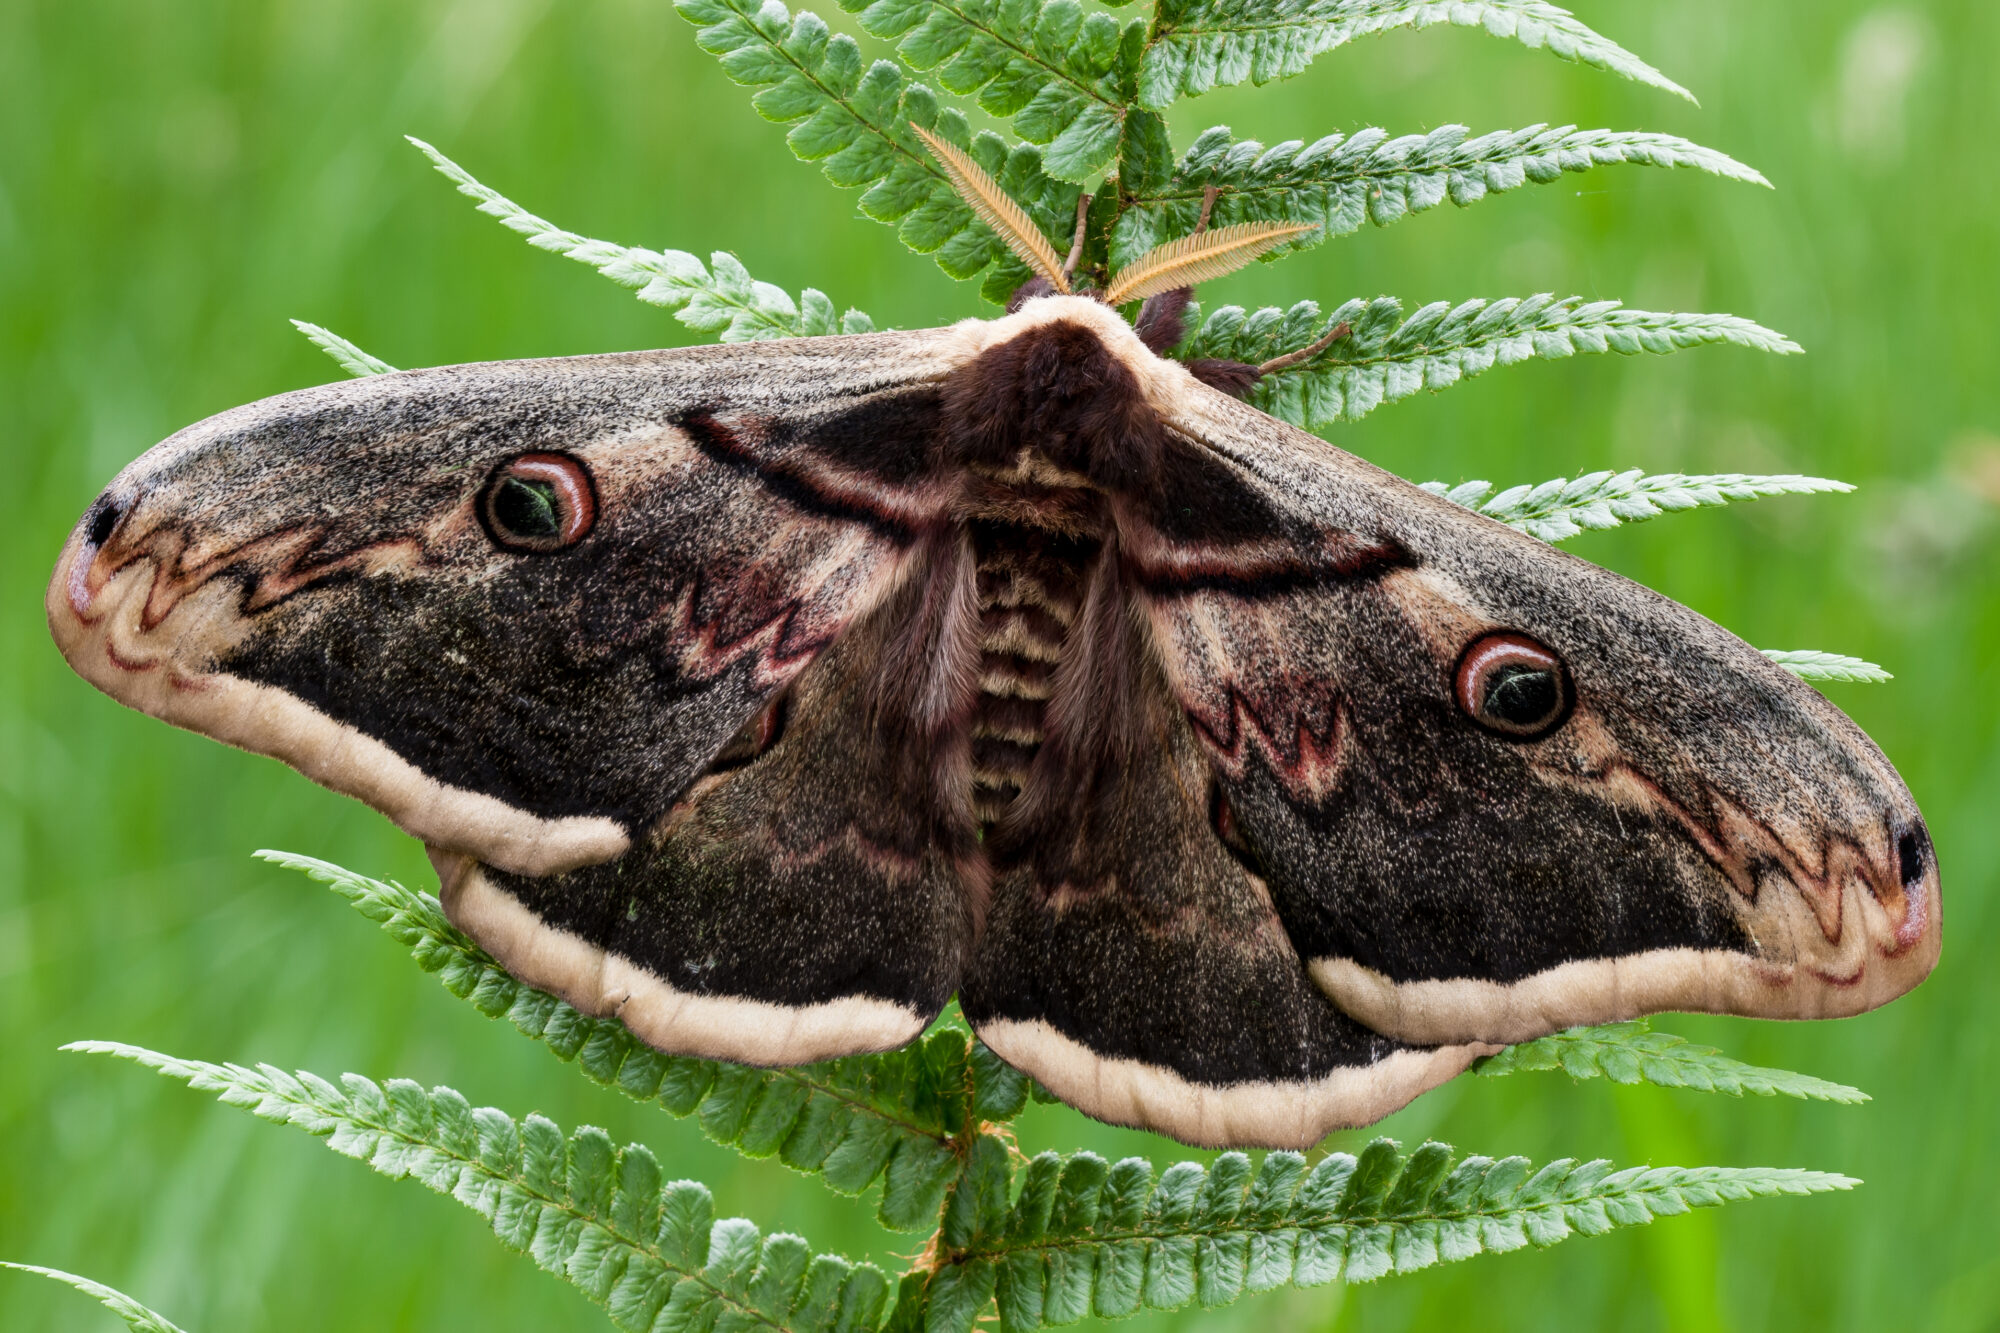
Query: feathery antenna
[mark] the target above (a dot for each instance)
(1197, 259)
(1010, 222)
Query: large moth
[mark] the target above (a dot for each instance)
(768, 696)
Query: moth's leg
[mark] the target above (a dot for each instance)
(1134, 967)
(806, 899)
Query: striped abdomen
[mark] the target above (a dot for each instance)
(1031, 589)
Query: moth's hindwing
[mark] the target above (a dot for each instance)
(802, 900)
(1660, 819)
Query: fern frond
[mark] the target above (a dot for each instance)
(851, 1121)
(1634, 1053)
(1341, 181)
(1008, 220)
(1196, 259)
(1388, 358)
(856, 120)
(1085, 1236)
(136, 1316)
(345, 354)
(1558, 510)
(1051, 68)
(1809, 664)
(595, 1215)
(718, 298)
(1202, 44)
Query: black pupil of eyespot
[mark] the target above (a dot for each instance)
(526, 508)
(102, 522)
(1522, 696)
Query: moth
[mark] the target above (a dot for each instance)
(767, 696)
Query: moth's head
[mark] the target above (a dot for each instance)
(1066, 378)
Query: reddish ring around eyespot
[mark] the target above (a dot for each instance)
(538, 502)
(1513, 686)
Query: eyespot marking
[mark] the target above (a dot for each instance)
(1513, 686)
(538, 503)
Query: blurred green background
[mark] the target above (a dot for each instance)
(178, 179)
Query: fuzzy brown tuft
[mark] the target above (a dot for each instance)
(1028, 291)
(1235, 378)
(1162, 322)
(1058, 389)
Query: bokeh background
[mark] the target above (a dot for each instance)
(178, 179)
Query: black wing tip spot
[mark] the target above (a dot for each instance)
(104, 516)
(1913, 852)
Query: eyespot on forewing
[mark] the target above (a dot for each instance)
(538, 503)
(1513, 686)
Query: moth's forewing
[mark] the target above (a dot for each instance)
(312, 577)
(1699, 830)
